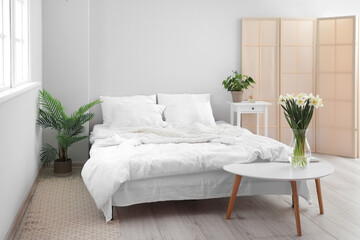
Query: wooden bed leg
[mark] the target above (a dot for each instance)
(114, 214)
(292, 198)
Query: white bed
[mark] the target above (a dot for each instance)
(138, 165)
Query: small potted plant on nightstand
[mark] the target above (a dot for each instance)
(52, 115)
(236, 83)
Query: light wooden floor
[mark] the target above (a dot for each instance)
(256, 217)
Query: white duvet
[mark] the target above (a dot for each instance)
(130, 154)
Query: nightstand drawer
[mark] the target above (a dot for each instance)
(250, 109)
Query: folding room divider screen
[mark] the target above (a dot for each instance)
(306, 55)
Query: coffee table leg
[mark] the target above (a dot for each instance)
(233, 195)
(296, 206)
(318, 190)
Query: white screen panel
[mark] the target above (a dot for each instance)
(344, 31)
(288, 59)
(326, 31)
(326, 85)
(252, 36)
(270, 72)
(306, 28)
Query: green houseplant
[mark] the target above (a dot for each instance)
(52, 115)
(236, 83)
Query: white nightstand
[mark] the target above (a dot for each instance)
(247, 107)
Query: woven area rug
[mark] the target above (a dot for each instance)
(62, 208)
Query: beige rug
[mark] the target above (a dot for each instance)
(62, 208)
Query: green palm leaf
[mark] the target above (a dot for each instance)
(51, 105)
(48, 154)
(83, 109)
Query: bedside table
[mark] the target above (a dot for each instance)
(246, 107)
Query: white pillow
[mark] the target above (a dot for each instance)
(187, 109)
(108, 102)
(137, 115)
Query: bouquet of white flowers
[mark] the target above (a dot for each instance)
(298, 111)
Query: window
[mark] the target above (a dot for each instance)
(14, 43)
(5, 44)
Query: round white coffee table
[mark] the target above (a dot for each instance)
(280, 172)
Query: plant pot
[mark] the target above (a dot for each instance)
(301, 152)
(237, 96)
(62, 169)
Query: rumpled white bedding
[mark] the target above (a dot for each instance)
(130, 154)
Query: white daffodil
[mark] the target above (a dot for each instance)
(295, 110)
(301, 95)
(320, 103)
(314, 102)
(290, 96)
(300, 102)
(282, 100)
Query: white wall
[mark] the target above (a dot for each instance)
(65, 61)
(20, 137)
(180, 46)
(20, 141)
(145, 47)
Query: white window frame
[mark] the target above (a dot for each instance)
(2, 46)
(13, 40)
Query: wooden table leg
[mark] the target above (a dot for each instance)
(233, 195)
(318, 190)
(296, 206)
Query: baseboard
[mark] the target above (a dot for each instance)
(74, 165)
(20, 215)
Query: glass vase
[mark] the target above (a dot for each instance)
(301, 152)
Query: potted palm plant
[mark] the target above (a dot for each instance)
(236, 83)
(52, 115)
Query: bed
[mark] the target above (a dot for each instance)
(131, 164)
